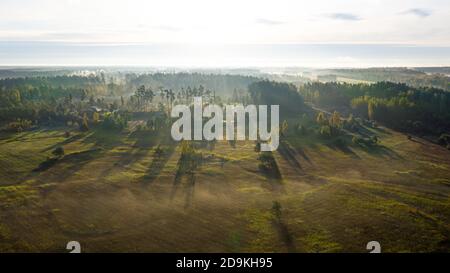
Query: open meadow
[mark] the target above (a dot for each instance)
(115, 192)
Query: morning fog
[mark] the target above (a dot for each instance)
(234, 123)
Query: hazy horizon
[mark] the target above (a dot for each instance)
(225, 33)
(268, 55)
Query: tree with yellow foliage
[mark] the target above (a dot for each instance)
(321, 119)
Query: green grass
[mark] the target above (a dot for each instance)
(111, 193)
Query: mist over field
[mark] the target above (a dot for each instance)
(90, 92)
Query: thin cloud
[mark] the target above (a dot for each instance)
(269, 22)
(344, 16)
(167, 28)
(418, 12)
(64, 36)
(159, 27)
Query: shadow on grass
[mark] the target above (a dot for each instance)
(144, 141)
(66, 141)
(158, 164)
(289, 154)
(75, 162)
(104, 138)
(268, 166)
(381, 151)
(344, 148)
(284, 234)
(382, 130)
(301, 152)
(190, 187)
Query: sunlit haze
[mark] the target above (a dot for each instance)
(225, 33)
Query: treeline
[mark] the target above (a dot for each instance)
(411, 77)
(416, 110)
(54, 81)
(221, 84)
(49, 99)
(277, 93)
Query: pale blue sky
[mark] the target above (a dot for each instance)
(232, 32)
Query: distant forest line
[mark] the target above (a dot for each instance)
(62, 98)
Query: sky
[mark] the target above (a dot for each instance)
(319, 33)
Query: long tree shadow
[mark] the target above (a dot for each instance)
(301, 152)
(188, 164)
(343, 148)
(284, 234)
(107, 139)
(281, 228)
(144, 141)
(14, 136)
(268, 166)
(382, 130)
(190, 187)
(158, 164)
(66, 141)
(74, 161)
(289, 154)
(176, 182)
(381, 151)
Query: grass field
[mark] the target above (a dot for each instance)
(112, 193)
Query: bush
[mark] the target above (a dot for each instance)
(114, 121)
(302, 130)
(269, 165)
(374, 139)
(444, 139)
(46, 164)
(58, 151)
(339, 142)
(258, 147)
(276, 209)
(365, 141)
(159, 151)
(84, 126)
(325, 130)
(19, 125)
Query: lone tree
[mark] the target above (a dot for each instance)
(84, 126)
(284, 128)
(159, 151)
(276, 209)
(321, 119)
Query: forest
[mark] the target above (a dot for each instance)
(418, 110)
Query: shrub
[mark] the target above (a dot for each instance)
(374, 139)
(159, 151)
(58, 151)
(302, 130)
(19, 125)
(46, 164)
(444, 139)
(365, 141)
(276, 209)
(325, 130)
(258, 147)
(114, 121)
(84, 126)
(268, 164)
(339, 142)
